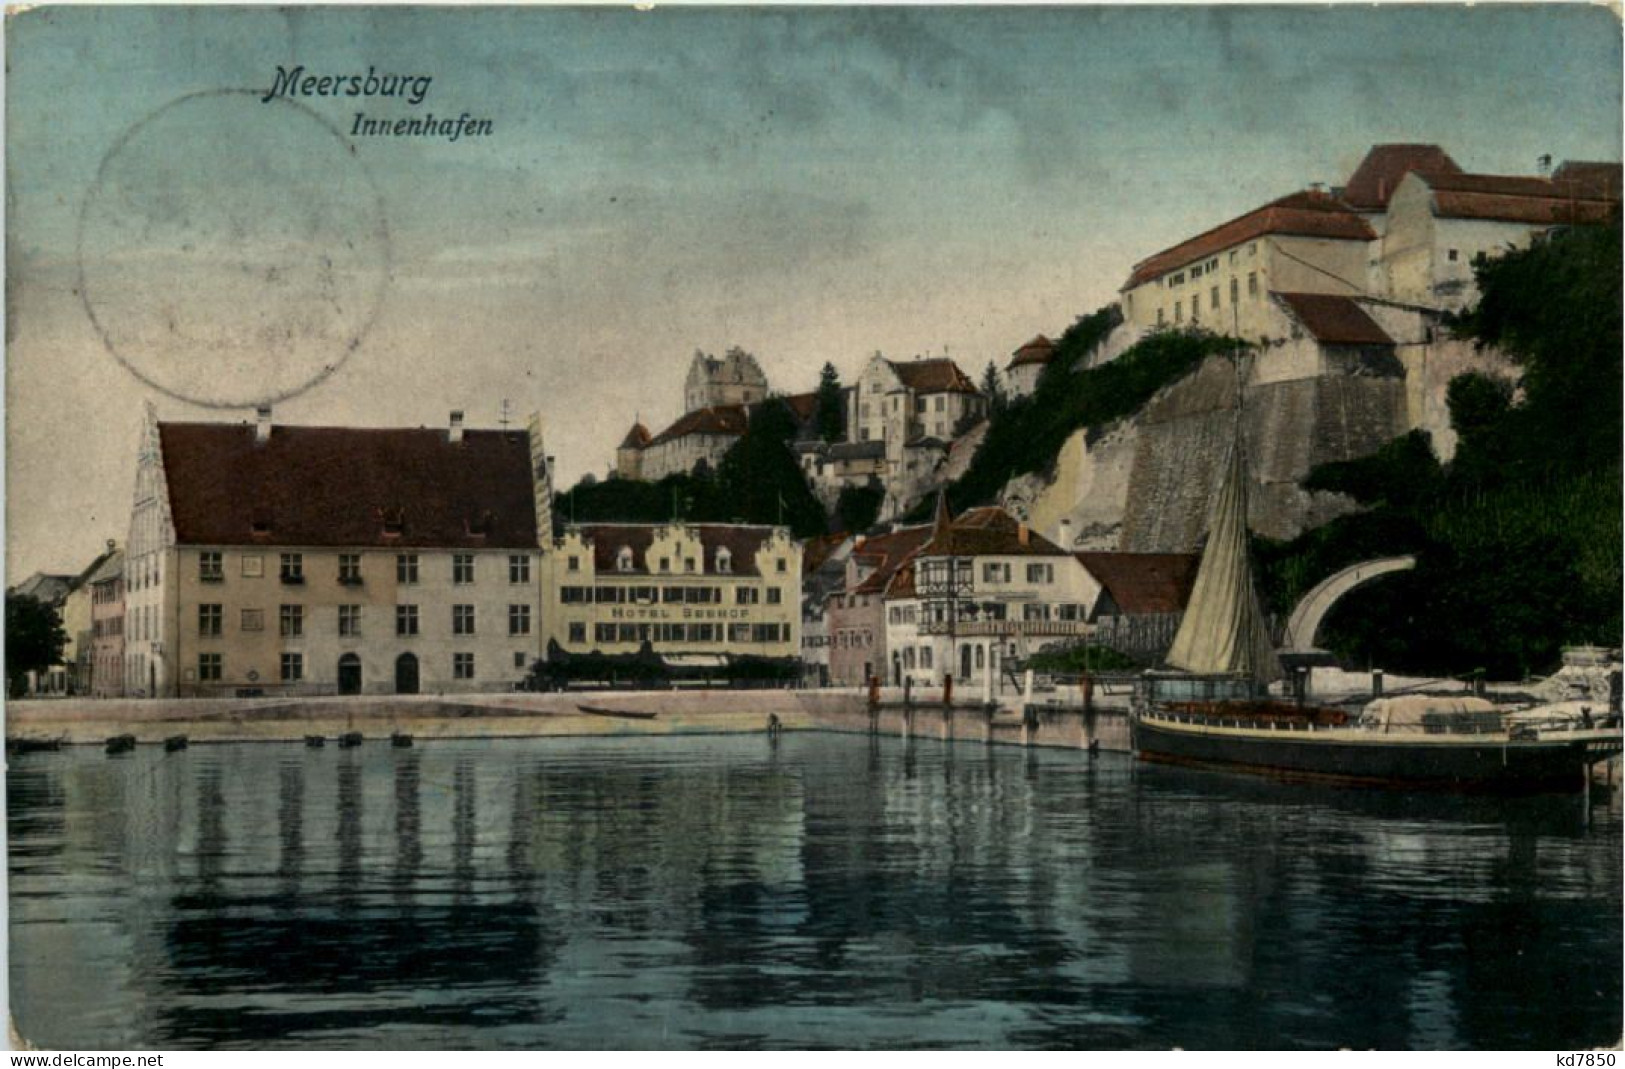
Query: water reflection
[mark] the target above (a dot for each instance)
(820, 891)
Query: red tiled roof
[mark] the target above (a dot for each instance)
(741, 541)
(1334, 320)
(1522, 198)
(1372, 184)
(889, 551)
(989, 532)
(803, 405)
(335, 486)
(938, 375)
(1140, 583)
(815, 551)
(636, 438)
(1037, 351)
(1306, 214)
(719, 420)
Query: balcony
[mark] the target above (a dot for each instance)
(1009, 628)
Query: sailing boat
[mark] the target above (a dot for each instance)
(1214, 709)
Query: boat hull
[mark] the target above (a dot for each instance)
(1461, 762)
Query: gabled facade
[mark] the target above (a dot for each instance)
(107, 672)
(688, 590)
(983, 589)
(734, 379)
(318, 560)
(855, 614)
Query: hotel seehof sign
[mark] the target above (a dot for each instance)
(674, 612)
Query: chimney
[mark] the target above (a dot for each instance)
(112, 544)
(455, 435)
(262, 424)
(1064, 535)
(1543, 164)
(1021, 534)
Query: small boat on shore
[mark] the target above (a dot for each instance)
(625, 714)
(174, 743)
(22, 746)
(400, 740)
(349, 740)
(120, 744)
(315, 742)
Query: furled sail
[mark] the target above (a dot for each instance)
(1223, 630)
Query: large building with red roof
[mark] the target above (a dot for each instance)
(270, 559)
(1405, 227)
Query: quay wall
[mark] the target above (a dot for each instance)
(428, 717)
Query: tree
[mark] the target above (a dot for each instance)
(34, 639)
(993, 390)
(857, 507)
(831, 405)
(759, 480)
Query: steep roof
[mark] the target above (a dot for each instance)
(109, 567)
(1140, 583)
(937, 375)
(1037, 351)
(1524, 198)
(636, 438)
(1306, 214)
(804, 406)
(339, 486)
(47, 588)
(720, 420)
(1334, 320)
(1597, 178)
(1373, 182)
(742, 541)
(988, 532)
(888, 552)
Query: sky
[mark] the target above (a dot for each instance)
(812, 184)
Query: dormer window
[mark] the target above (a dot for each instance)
(623, 559)
(725, 562)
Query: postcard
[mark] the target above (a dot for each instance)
(684, 527)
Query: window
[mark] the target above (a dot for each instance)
(1252, 249)
(626, 632)
(1179, 312)
(406, 619)
(1252, 283)
(764, 633)
(624, 559)
(406, 568)
(575, 595)
(1035, 612)
(610, 595)
(293, 621)
(293, 667)
(725, 561)
(208, 667)
(941, 403)
(253, 566)
(573, 564)
(775, 596)
(1235, 290)
(462, 666)
(688, 565)
(1452, 255)
(349, 620)
(746, 595)
(1040, 573)
(518, 568)
(462, 568)
(603, 633)
(738, 632)
(462, 619)
(293, 567)
(780, 565)
(253, 620)
(518, 659)
(350, 569)
(995, 572)
(578, 632)
(208, 619)
(1159, 317)
(209, 568)
(518, 619)
(1214, 297)
(665, 564)
(925, 656)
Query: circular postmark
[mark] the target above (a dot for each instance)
(232, 252)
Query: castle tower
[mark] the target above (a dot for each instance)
(735, 379)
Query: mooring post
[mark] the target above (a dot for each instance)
(908, 691)
(987, 685)
(1376, 682)
(948, 689)
(1086, 684)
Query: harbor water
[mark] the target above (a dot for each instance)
(819, 891)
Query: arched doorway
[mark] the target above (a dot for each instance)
(406, 674)
(350, 674)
